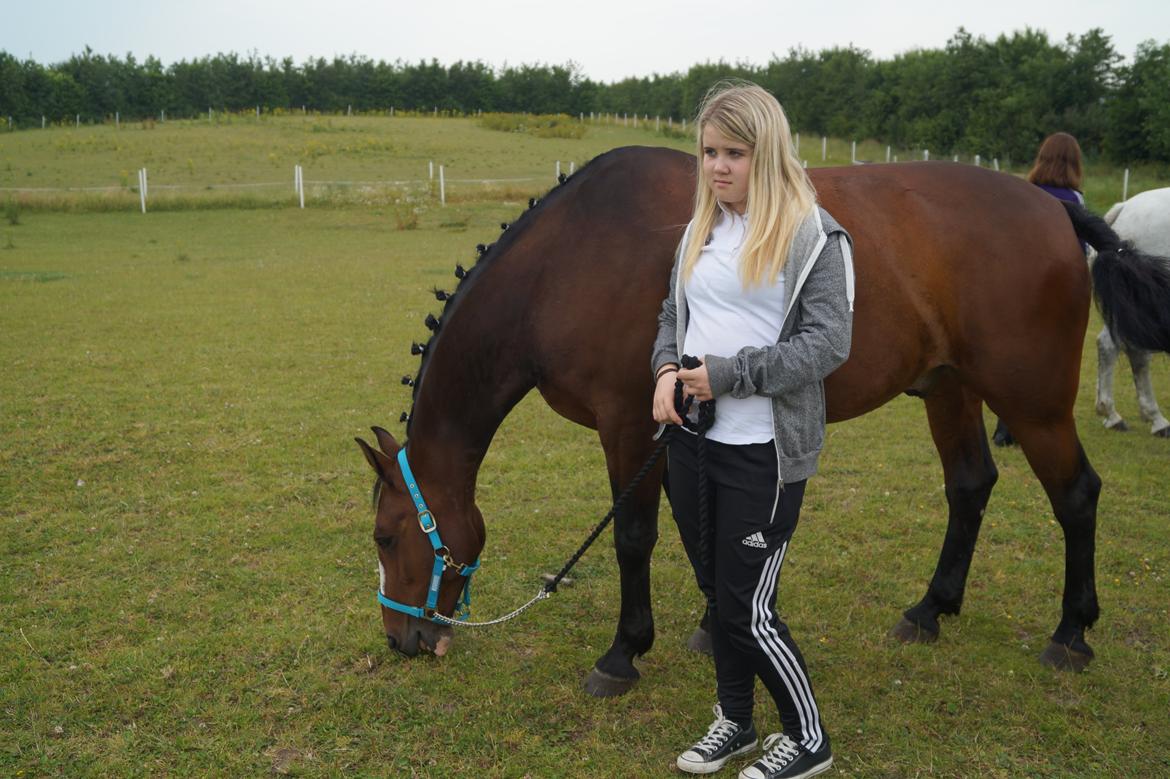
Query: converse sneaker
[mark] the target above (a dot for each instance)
(724, 740)
(785, 759)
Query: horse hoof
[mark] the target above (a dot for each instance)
(1163, 433)
(1118, 426)
(1064, 658)
(599, 684)
(700, 641)
(912, 633)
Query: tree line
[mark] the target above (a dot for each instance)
(974, 96)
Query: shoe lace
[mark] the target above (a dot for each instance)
(779, 751)
(720, 732)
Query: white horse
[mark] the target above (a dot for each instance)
(1144, 220)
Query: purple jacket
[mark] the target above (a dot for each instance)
(1064, 193)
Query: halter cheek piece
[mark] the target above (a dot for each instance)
(443, 559)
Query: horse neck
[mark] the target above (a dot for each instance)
(477, 371)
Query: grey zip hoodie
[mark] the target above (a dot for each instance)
(814, 340)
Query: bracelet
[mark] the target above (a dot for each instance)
(665, 369)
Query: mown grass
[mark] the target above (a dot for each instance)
(187, 574)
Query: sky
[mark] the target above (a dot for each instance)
(607, 39)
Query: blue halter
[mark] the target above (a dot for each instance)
(443, 558)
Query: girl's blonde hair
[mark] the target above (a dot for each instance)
(780, 194)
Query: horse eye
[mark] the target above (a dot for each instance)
(386, 543)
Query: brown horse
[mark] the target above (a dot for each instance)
(955, 265)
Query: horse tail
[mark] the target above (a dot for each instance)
(1132, 288)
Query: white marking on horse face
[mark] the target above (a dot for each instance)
(381, 577)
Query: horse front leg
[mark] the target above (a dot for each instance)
(956, 424)
(635, 534)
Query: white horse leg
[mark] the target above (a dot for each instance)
(1106, 359)
(1139, 361)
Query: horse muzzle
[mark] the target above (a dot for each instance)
(422, 636)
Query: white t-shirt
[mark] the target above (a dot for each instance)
(724, 317)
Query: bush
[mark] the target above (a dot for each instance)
(540, 125)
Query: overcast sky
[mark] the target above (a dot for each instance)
(608, 39)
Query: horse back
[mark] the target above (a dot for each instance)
(1144, 220)
(957, 267)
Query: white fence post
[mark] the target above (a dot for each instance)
(977, 160)
(42, 121)
(142, 188)
(558, 174)
(1125, 186)
(926, 154)
(887, 153)
(117, 120)
(78, 122)
(824, 148)
(442, 187)
(257, 112)
(431, 170)
(853, 153)
(995, 162)
(572, 167)
(955, 158)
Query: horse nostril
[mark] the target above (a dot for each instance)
(392, 641)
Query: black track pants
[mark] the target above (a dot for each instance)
(752, 521)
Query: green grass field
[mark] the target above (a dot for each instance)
(187, 574)
(240, 161)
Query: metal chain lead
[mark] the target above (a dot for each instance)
(460, 623)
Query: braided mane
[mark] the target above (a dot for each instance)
(485, 254)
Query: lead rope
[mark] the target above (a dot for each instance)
(706, 419)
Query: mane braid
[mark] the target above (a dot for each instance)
(485, 254)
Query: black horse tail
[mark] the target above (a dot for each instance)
(1132, 288)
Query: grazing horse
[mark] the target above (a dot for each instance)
(971, 289)
(1144, 221)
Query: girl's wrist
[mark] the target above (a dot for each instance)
(664, 370)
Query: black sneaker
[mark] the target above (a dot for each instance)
(724, 740)
(785, 759)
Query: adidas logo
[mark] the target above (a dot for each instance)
(756, 540)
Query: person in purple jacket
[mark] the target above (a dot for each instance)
(1059, 172)
(1057, 169)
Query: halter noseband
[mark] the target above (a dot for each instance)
(443, 559)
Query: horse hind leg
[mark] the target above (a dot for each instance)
(1107, 353)
(1073, 487)
(1139, 363)
(956, 424)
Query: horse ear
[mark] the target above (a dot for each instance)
(386, 442)
(382, 465)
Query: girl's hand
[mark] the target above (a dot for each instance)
(696, 383)
(664, 412)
